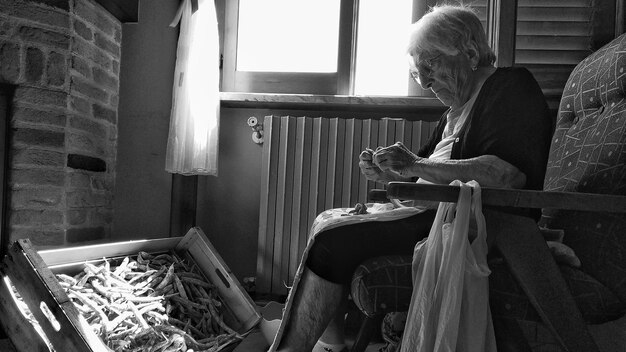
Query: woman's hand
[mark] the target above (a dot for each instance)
(372, 172)
(396, 158)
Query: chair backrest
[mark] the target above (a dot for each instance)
(588, 154)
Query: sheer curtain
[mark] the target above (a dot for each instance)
(192, 144)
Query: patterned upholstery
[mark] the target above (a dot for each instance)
(588, 154)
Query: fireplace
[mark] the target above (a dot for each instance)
(62, 59)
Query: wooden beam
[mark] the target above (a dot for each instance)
(512, 197)
(501, 29)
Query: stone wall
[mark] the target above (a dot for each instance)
(63, 59)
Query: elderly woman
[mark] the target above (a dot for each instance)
(496, 131)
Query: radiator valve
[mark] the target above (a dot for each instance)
(257, 129)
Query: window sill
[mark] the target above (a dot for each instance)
(330, 102)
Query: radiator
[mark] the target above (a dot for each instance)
(311, 164)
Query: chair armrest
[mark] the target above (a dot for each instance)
(377, 195)
(511, 197)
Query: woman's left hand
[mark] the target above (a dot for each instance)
(396, 158)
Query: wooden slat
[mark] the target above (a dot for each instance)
(513, 198)
(36, 284)
(562, 14)
(553, 3)
(529, 260)
(18, 328)
(69, 255)
(540, 28)
(565, 57)
(526, 42)
(197, 245)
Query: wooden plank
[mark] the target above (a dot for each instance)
(18, 328)
(513, 197)
(72, 255)
(197, 244)
(528, 258)
(37, 284)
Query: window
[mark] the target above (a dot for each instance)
(352, 46)
(310, 47)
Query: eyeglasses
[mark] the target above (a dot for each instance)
(426, 67)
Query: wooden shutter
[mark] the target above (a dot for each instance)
(553, 36)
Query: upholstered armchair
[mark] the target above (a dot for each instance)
(538, 304)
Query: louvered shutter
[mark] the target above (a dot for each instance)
(553, 36)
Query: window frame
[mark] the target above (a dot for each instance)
(335, 83)
(502, 39)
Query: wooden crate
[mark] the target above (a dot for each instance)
(33, 272)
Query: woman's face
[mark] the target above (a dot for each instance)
(447, 76)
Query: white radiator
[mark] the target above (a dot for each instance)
(311, 164)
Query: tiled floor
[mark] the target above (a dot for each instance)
(255, 342)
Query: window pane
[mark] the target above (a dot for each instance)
(381, 62)
(288, 35)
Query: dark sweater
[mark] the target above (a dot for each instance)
(510, 119)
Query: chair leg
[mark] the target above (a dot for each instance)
(529, 259)
(509, 336)
(367, 330)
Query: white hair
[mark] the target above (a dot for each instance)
(450, 30)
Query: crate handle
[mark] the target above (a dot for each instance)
(222, 277)
(51, 318)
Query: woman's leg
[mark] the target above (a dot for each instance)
(333, 258)
(314, 305)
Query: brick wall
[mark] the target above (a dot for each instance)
(63, 59)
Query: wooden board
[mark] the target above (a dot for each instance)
(64, 327)
(235, 298)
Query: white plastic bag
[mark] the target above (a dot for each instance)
(449, 308)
